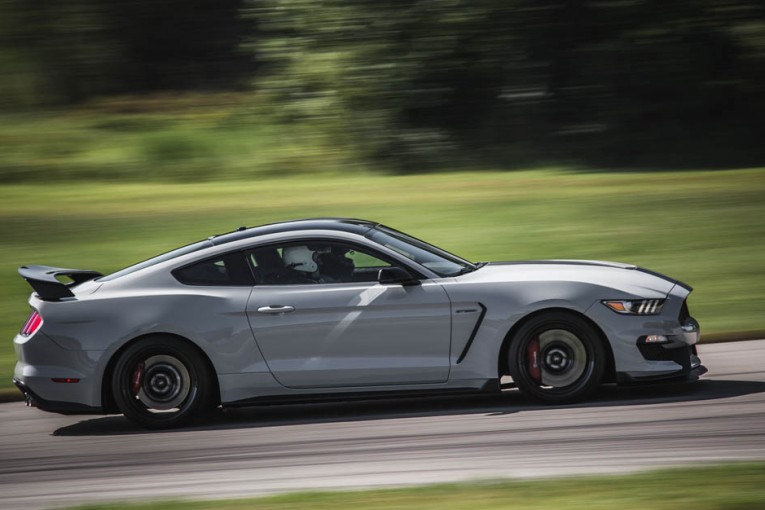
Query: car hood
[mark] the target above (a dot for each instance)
(627, 278)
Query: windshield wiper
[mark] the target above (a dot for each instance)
(469, 269)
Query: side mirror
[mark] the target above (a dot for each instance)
(392, 275)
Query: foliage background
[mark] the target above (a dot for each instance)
(413, 86)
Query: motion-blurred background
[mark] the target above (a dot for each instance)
(500, 129)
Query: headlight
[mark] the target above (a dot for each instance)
(636, 306)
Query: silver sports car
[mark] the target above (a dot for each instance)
(339, 308)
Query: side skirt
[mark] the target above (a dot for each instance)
(491, 386)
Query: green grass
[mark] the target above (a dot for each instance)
(167, 137)
(706, 228)
(731, 487)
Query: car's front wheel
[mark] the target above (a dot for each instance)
(161, 382)
(557, 357)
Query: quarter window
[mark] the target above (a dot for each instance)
(229, 269)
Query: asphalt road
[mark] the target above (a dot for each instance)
(50, 460)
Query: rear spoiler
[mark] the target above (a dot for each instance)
(44, 280)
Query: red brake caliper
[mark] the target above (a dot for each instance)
(533, 358)
(137, 376)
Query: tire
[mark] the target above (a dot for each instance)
(557, 358)
(161, 382)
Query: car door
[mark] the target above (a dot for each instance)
(322, 320)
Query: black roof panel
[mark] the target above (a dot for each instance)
(342, 224)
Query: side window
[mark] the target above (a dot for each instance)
(366, 266)
(229, 269)
(364, 260)
(313, 262)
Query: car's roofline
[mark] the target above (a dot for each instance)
(351, 225)
(263, 239)
(348, 225)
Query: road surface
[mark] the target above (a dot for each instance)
(50, 460)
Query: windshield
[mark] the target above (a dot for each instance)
(437, 260)
(158, 259)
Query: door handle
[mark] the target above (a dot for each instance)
(276, 309)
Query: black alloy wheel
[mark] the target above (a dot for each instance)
(161, 382)
(557, 357)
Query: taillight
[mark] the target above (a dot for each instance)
(33, 324)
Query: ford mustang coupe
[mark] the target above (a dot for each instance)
(339, 308)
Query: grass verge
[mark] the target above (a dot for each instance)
(727, 487)
(706, 228)
(161, 138)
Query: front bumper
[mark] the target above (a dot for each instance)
(624, 378)
(686, 356)
(636, 360)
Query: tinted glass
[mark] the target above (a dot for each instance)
(310, 262)
(437, 260)
(229, 269)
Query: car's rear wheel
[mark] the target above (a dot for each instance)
(557, 357)
(161, 382)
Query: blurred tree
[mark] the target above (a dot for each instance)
(649, 77)
(427, 81)
(56, 51)
(181, 45)
(400, 76)
(68, 51)
(419, 83)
